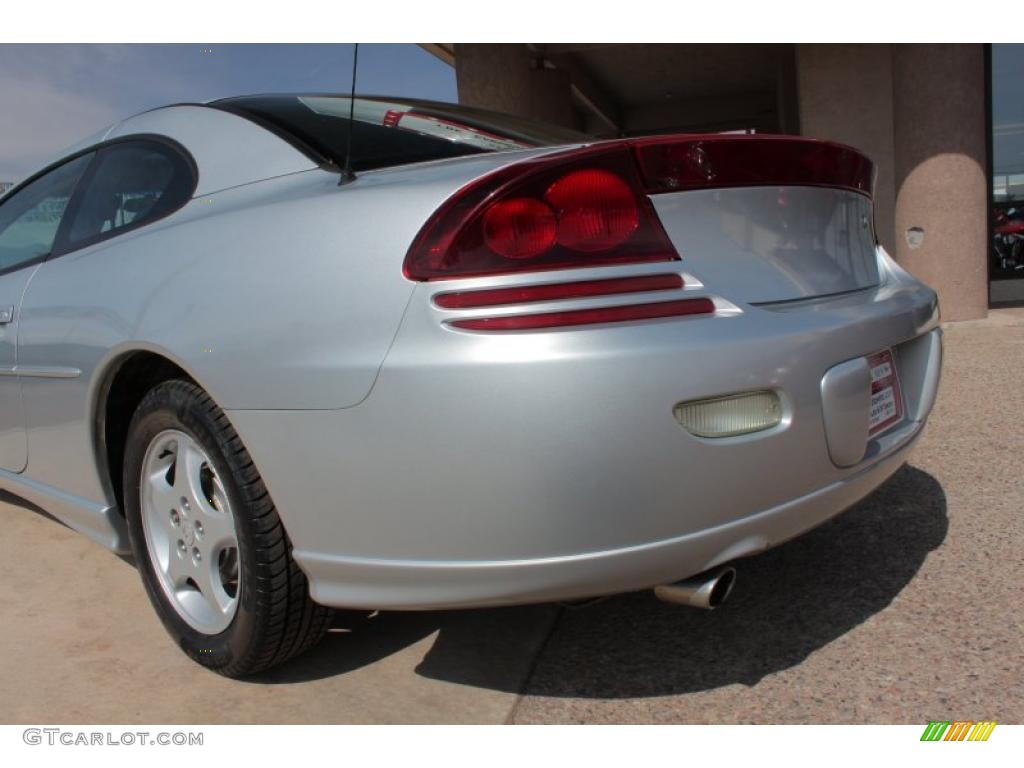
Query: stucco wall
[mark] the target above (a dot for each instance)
(845, 94)
(941, 177)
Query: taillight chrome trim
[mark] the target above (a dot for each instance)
(571, 318)
(525, 294)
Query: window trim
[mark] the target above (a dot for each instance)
(61, 246)
(22, 265)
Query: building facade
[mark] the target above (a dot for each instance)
(923, 113)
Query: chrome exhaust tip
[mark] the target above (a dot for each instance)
(705, 590)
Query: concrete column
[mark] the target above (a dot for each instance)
(845, 95)
(941, 178)
(503, 77)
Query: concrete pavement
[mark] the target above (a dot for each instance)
(909, 607)
(81, 644)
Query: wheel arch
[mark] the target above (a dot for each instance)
(120, 384)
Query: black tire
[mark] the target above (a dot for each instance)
(275, 619)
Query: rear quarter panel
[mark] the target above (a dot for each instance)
(282, 294)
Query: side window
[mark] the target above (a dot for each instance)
(134, 182)
(30, 218)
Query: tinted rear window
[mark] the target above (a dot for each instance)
(387, 132)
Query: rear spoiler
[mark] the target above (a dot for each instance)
(686, 162)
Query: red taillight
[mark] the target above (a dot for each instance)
(520, 228)
(597, 211)
(677, 163)
(589, 207)
(581, 209)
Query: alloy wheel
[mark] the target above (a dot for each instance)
(190, 531)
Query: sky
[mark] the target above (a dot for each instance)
(53, 96)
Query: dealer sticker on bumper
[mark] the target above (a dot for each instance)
(886, 399)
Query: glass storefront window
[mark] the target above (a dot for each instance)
(1007, 252)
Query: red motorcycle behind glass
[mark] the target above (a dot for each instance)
(1008, 238)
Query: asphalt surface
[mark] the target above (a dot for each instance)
(907, 608)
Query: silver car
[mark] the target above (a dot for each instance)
(433, 357)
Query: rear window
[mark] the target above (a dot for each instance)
(387, 132)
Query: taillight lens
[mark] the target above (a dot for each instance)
(520, 228)
(585, 209)
(597, 211)
(671, 164)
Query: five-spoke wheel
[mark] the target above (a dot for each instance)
(190, 531)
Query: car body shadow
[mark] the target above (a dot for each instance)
(788, 602)
(6, 497)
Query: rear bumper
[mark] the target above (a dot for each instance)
(487, 470)
(349, 582)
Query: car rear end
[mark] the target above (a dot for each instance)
(621, 364)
